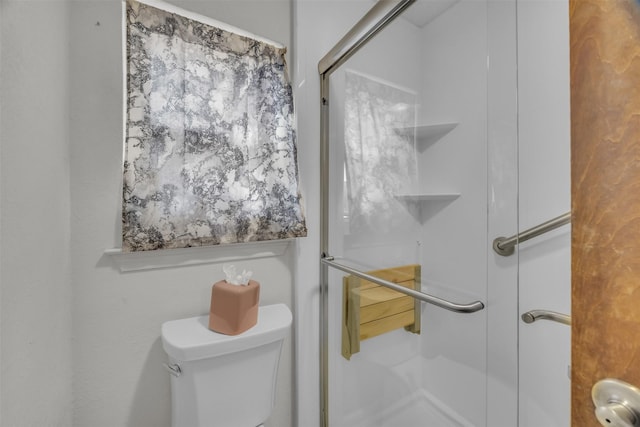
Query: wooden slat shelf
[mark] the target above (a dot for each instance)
(370, 310)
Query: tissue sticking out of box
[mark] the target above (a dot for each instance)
(234, 278)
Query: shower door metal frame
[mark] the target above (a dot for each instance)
(377, 18)
(381, 14)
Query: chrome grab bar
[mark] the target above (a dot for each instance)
(505, 246)
(430, 299)
(533, 315)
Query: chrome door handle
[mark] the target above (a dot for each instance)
(533, 315)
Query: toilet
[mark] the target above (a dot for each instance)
(224, 380)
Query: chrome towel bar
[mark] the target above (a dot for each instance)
(505, 246)
(430, 299)
(534, 315)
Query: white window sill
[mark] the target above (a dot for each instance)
(169, 258)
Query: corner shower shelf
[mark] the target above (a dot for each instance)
(425, 198)
(427, 134)
(422, 206)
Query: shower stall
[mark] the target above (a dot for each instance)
(423, 306)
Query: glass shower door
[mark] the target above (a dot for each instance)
(409, 184)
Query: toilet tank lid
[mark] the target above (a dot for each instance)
(191, 339)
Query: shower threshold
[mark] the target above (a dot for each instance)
(420, 409)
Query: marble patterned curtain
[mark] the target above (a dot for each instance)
(210, 155)
(380, 155)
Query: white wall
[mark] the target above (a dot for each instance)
(118, 376)
(61, 174)
(34, 242)
(1, 137)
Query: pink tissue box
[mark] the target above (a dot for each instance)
(234, 308)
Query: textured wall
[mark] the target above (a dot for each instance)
(34, 241)
(605, 115)
(61, 157)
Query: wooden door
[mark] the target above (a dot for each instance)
(605, 173)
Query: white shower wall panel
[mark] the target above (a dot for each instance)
(544, 159)
(473, 356)
(384, 372)
(454, 235)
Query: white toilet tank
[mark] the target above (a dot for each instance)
(223, 380)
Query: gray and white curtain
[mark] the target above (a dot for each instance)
(210, 154)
